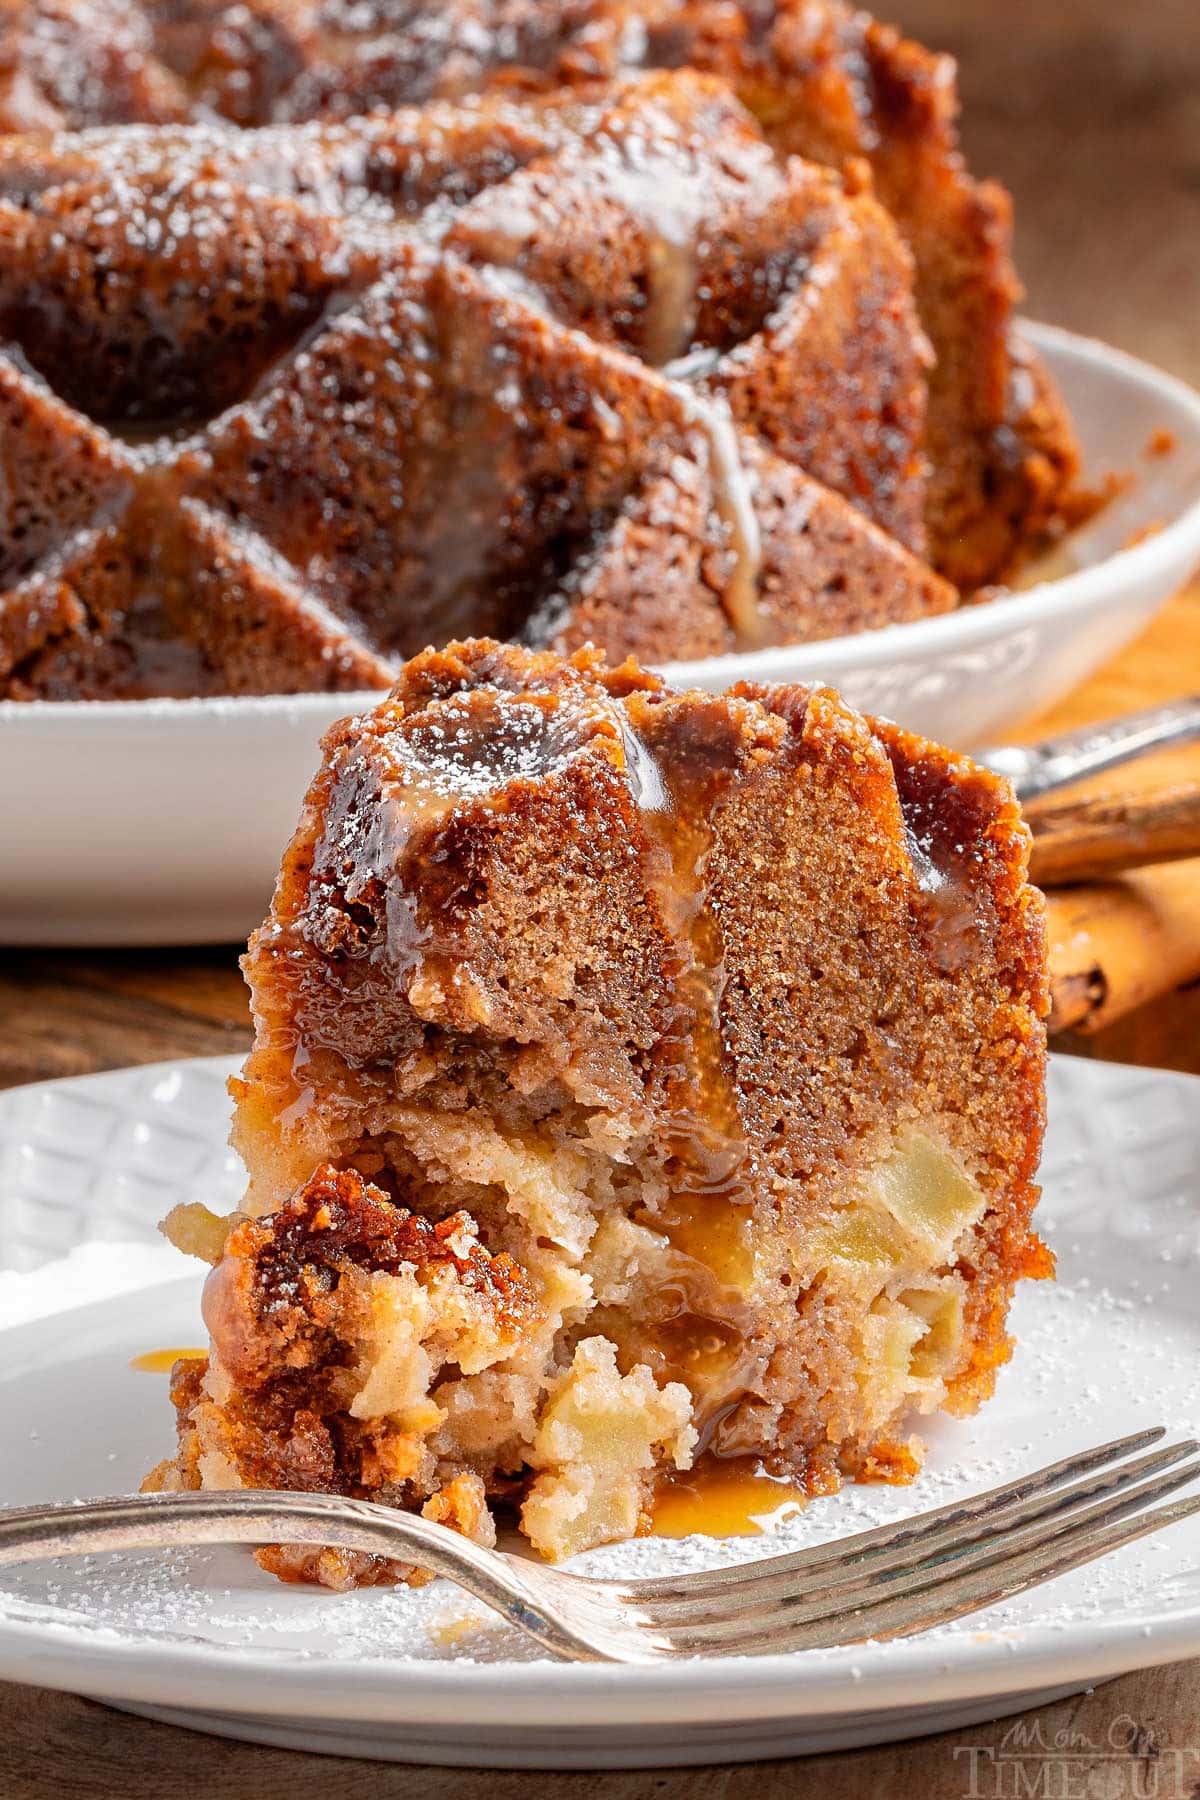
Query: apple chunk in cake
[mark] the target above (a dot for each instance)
(638, 1077)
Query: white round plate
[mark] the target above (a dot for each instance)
(162, 821)
(207, 1640)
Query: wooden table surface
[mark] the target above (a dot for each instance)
(1090, 111)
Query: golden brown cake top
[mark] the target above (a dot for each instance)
(824, 80)
(570, 367)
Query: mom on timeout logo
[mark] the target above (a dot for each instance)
(1029, 1763)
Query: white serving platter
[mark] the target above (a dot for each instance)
(162, 821)
(207, 1640)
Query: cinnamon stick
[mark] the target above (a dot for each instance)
(1096, 837)
(1113, 945)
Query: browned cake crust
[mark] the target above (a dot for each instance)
(719, 1019)
(277, 1304)
(829, 82)
(824, 81)
(310, 398)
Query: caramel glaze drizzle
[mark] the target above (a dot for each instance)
(666, 198)
(711, 1166)
(670, 208)
(735, 508)
(670, 211)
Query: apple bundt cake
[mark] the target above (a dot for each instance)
(380, 325)
(639, 1077)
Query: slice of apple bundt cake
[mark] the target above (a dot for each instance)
(639, 1077)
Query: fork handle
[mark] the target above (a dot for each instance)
(1059, 761)
(253, 1516)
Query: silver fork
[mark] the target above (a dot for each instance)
(1036, 769)
(884, 1583)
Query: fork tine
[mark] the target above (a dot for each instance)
(913, 1599)
(818, 1557)
(969, 1592)
(847, 1569)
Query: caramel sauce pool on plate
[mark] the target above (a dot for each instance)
(161, 1362)
(724, 1499)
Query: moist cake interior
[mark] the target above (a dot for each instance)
(639, 1078)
